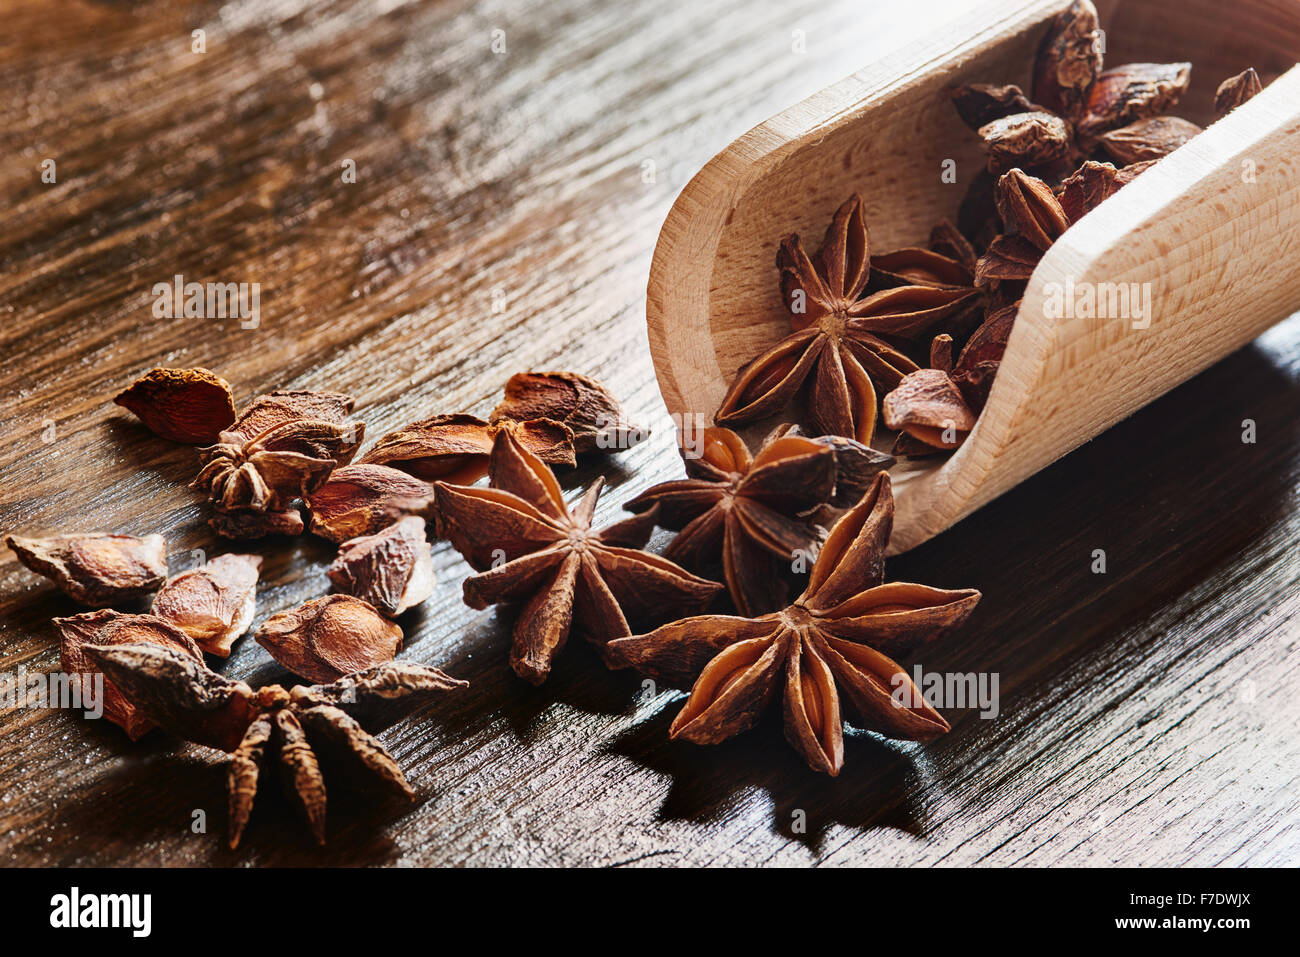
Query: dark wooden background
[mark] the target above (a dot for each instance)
(1148, 714)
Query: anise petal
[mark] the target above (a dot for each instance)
(1149, 139)
(678, 652)
(766, 385)
(650, 586)
(301, 772)
(830, 403)
(490, 526)
(1068, 60)
(518, 471)
(631, 532)
(812, 711)
(897, 617)
(906, 311)
(880, 693)
(845, 255)
(750, 572)
(451, 448)
(791, 474)
(513, 581)
(337, 738)
(680, 501)
(1132, 92)
(1008, 258)
(778, 535)
(700, 542)
(853, 556)
(543, 624)
(242, 774)
(732, 690)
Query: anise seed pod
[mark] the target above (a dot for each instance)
(1068, 60)
(329, 637)
(928, 406)
(1235, 91)
(1025, 139)
(241, 524)
(102, 628)
(96, 569)
(1149, 139)
(979, 104)
(456, 448)
(856, 465)
(1029, 209)
(213, 604)
(1134, 91)
(392, 689)
(1086, 189)
(364, 499)
(192, 406)
(274, 409)
(392, 569)
(596, 418)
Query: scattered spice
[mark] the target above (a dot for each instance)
(213, 604)
(456, 448)
(192, 406)
(529, 546)
(283, 446)
(1149, 139)
(329, 637)
(242, 524)
(96, 569)
(96, 629)
(1235, 91)
(303, 727)
(744, 510)
(392, 569)
(837, 341)
(928, 406)
(595, 417)
(835, 639)
(364, 499)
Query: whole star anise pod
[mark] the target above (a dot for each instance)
(837, 343)
(834, 641)
(530, 546)
(744, 510)
(283, 446)
(303, 726)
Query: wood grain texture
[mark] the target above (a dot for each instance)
(1207, 237)
(1147, 714)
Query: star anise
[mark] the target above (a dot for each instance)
(835, 640)
(303, 725)
(283, 446)
(584, 405)
(529, 546)
(837, 343)
(744, 510)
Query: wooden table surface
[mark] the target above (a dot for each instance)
(504, 212)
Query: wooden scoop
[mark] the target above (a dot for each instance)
(1214, 228)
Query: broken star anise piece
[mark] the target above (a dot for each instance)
(1068, 60)
(392, 569)
(455, 448)
(104, 628)
(529, 546)
(831, 646)
(1149, 139)
(1235, 91)
(596, 418)
(96, 569)
(744, 510)
(329, 637)
(192, 406)
(928, 406)
(364, 499)
(1134, 91)
(283, 446)
(213, 604)
(303, 728)
(837, 344)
